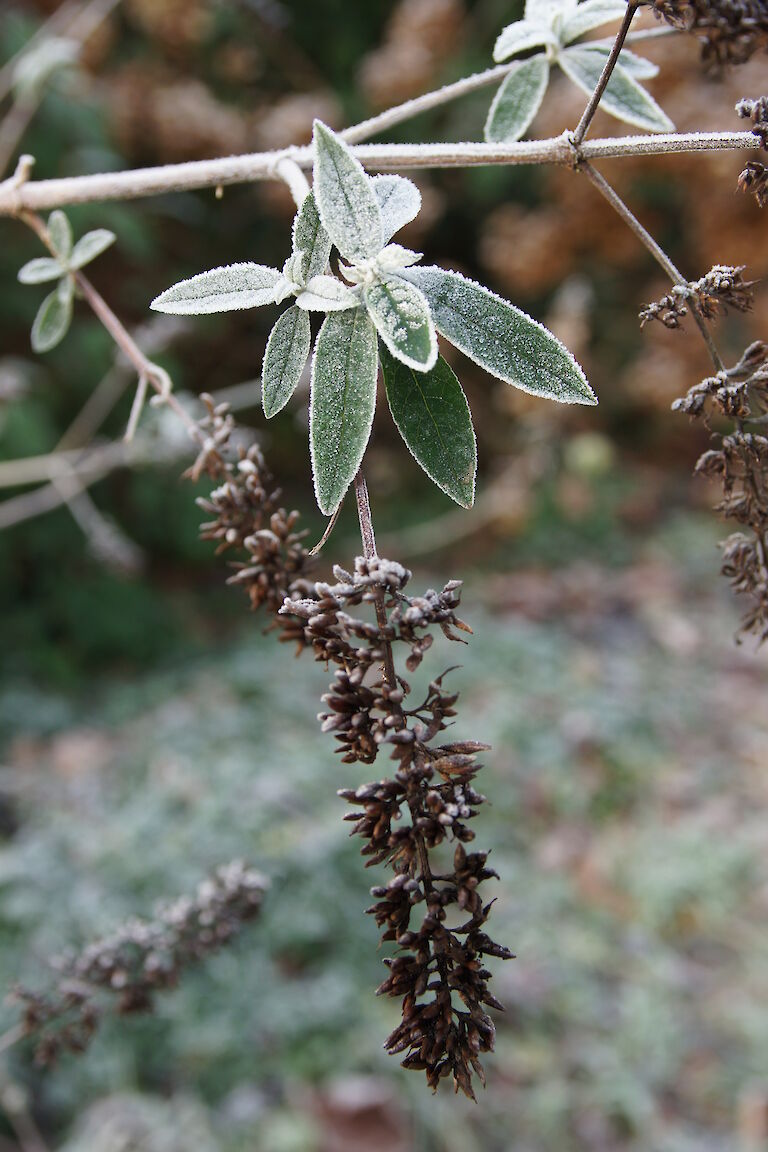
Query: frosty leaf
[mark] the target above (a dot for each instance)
(60, 231)
(35, 67)
(547, 10)
(40, 271)
(591, 14)
(348, 207)
(53, 318)
(311, 239)
(326, 294)
(90, 246)
(220, 290)
(402, 318)
(520, 37)
(394, 257)
(636, 66)
(432, 415)
(342, 402)
(500, 338)
(623, 97)
(284, 359)
(517, 101)
(399, 202)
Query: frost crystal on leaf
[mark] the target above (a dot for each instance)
(347, 203)
(220, 290)
(402, 318)
(284, 360)
(342, 402)
(517, 101)
(432, 415)
(399, 203)
(501, 338)
(551, 25)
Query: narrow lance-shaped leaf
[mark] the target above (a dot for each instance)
(220, 290)
(40, 271)
(433, 417)
(402, 317)
(53, 318)
(591, 14)
(623, 97)
(342, 402)
(348, 207)
(60, 231)
(501, 338)
(284, 360)
(399, 203)
(90, 246)
(326, 294)
(520, 37)
(517, 101)
(633, 65)
(311, 239)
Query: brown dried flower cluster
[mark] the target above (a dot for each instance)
(139, 959)
(732, 31)
(722, 288)
(439, 971)
(246, 514)
(740, 465)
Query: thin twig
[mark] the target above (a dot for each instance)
(79, 25)
(605, 75)
(654, 248)
(39, 195)
(410, 108)
(369, 551)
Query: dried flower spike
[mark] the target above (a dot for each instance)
(139, 959)
(439, 971)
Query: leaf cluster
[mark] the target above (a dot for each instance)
(550, 28)
(384, 307)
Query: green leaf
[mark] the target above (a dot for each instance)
(633, 65)
(345, 198)
(326, 294)
(433, 417)
(284, 360)
(591, 14)
(53, 318)
(311, 239)
(520, 37)
(517, 101)
(220, 290)
(342, 402)
(90, 246)
(60, 231)
(399, 202)
(500, 338)
(40, 271)
(403, 320)
(623, 97)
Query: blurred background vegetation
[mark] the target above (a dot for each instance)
(148, 731)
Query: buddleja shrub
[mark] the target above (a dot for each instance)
(382, 306)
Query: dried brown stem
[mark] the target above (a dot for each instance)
(605, 76)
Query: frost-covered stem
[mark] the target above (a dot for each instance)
(654, 248)
(605, 75)
(121, 336)
(369, 551)
(410, 108)
(298, 185)
(37, 195)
